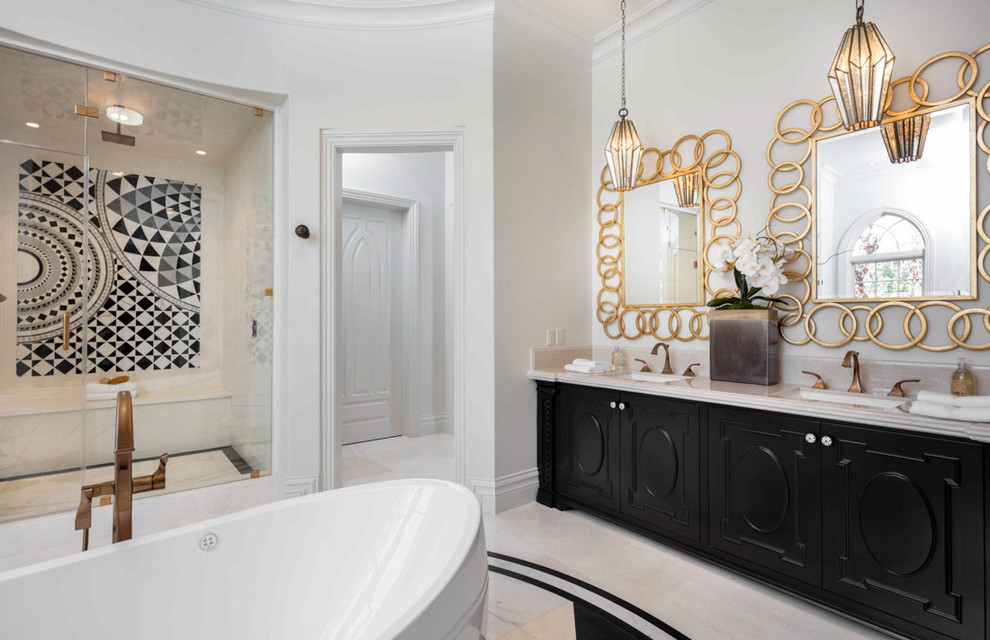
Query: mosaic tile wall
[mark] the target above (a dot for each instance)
(141, 283)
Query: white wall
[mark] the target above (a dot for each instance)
(735, 65)
(420, 177)
(348, 80)
(542, 222)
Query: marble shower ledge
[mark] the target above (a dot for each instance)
(22, 405)
(773, 398)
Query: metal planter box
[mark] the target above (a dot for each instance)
(743, 346)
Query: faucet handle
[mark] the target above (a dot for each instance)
(688, 372)
(820, 383)
(153, 482)
(646, 368)
(897, 392)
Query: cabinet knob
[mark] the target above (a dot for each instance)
(810, 438)
(826, 441)
(611, 404)
(622, 406)
(302, 231)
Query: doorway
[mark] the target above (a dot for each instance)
(392, 395)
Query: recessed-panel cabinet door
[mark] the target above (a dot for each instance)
(587, 466)
(903, 529)
(765, 500)
(660, 464)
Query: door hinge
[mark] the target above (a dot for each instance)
(89, 112)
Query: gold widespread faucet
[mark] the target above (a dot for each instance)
(667, 369)
(124, 485)
(852, 360)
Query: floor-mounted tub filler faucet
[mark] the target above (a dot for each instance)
(124, 485)
(852, 360)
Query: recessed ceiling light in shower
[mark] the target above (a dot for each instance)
(33, 125)
(122, 115)
(200, 152)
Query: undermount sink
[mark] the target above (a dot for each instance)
(843, 397)
(644, 376)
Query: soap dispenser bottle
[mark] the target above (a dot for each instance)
(963, 380)
(618, 359)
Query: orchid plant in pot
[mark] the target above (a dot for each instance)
(743, 335)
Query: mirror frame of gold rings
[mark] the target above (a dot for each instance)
(712, 157)
(791, 220)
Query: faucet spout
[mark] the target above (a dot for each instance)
(852, 360)
(667, 369)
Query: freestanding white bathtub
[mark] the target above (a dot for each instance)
(403, 559)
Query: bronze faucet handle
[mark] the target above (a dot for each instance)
(820, 383)
(155, 481)
(646, 368)
(897, 392)
(688, 372)
(84, 513)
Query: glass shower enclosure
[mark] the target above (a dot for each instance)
(136, 235)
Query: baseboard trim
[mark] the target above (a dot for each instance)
(506, 492)
(430, 423)
(294, 486)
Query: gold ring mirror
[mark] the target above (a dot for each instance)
(653, 240)
(885, 223)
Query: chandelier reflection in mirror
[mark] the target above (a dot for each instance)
(686, 190)
(860, 74)
(905, 139)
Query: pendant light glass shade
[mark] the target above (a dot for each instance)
(860, 74)
(686, 190)
(623, 152)
(905, 139)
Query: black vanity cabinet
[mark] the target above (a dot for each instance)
(587, 446)
(886, 525)
(765, 502)
(659, 463)
(904, 529)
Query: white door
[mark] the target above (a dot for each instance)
(371, 317)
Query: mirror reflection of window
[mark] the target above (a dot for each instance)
(892, 231)
(888, 259)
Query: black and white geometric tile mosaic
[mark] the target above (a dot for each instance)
(132, 278)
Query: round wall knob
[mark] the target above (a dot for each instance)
(622, 406)
(612, 404)
(810, 438)
(826, 441)
(302, 231)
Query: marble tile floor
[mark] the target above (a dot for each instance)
(401, 457)
(60, 491)
(695, 598)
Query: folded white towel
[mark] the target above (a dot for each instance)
(578, 368)
(94, 397)
(597, 364)
(937, 410)
(94, 387)
(954, 401)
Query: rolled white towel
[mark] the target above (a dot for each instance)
(94, 387)
(577, 368)
(936, 410)
(945, 399)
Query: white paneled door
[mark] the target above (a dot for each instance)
(371, 317)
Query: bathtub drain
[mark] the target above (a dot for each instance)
(208, 542)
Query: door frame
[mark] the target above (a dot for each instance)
(408, 413)
(333, 145)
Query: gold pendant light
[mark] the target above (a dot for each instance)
(860, 74)
(623, 149)
(905, 139)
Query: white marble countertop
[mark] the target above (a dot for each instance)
(780, 397)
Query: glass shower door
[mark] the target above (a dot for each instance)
(49, 273)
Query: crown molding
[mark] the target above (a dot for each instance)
(640, 24)
(358, 15)
(544, 27)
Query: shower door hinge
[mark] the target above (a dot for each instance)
(89, 112)
(258, 111)
(110, 76)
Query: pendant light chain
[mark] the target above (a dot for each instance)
(859, 11)
(623, 112)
